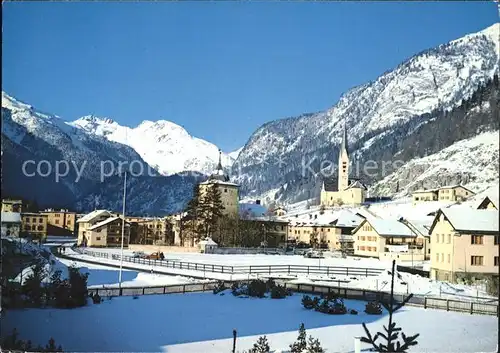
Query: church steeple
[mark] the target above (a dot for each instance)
(219, 166)
(343, 147)
(343, 172)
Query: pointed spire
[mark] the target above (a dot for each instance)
(344, 138)
(219, 166)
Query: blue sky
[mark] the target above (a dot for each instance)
(219, 69)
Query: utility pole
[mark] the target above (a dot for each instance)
(123, 230)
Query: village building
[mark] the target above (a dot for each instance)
(452, 193)
(207, 246)
(327, 231)
(34, 225)
(388, 239)
(101, 228)
(421, 227)
(154, 231)
(61, 222)
(280, 211)
(11, 224)
(489, 202)
(12, 206)
(464, 243)
(343, 191)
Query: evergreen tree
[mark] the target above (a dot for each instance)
(392, 344)
(211, 208)
(262, 346)
(192, 222)
(300, 344)
(314, 346)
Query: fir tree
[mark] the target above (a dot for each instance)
(314, 346)
(262, 346)
(211, 208)
(392, 344)
(192, 222)
(300, 344)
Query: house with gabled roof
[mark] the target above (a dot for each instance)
(464, 243)
(388, 239)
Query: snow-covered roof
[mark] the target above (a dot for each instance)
(421, 225)
(252, 210)
(90, 216)
(425, 190)
(465, 219)
(11, 217)
(454, 187)
(103, 223)
(207, 241)
(348, 219)
(390, 228)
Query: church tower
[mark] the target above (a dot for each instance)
(343, 163)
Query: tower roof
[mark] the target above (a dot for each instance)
(219, 172)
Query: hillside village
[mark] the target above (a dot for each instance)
(352, 193)
(451, 227)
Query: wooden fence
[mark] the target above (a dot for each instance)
(253, 269)
(347, 293)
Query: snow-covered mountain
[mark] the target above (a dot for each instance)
(88, 166)
(471, 162)
(380, 115)
(166, 146)
(234, 155)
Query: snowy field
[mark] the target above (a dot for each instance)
(105, 276)
(261, 259)
(406, 283)
(203, 322)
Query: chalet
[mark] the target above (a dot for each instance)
(387, 239)
(464, 242)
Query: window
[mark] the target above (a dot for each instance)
(416, 198)
(449, 257)
(33, 220)
(496, 261)
(328, 230)
(33, 227)
(98, 231)
(437, 238)
(476, 260)
(476, 239)
(442, 257)
(40, 228)
(362, 238)
(57, 215)
(27, 220)
(225, 190)
(97, 238)
(40, 220)
(449, 238)
(442, 238)
(56, 221)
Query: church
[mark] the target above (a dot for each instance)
(343, 191)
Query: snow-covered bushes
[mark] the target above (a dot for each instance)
(330, 304)
(279, 292)
(219, 287)
(373, 308)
